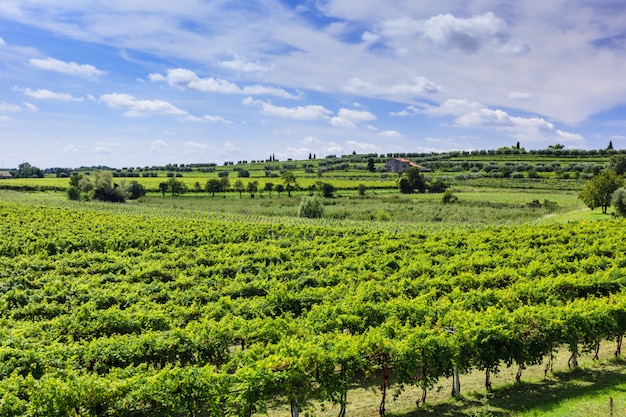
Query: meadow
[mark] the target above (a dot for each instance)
(195, 305)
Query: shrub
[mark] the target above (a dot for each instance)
(449, 197)
(618, 200)
(73, 193)
(311, 207)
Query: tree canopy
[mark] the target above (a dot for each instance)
(599, 189)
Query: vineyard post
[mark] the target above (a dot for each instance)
(456, 383)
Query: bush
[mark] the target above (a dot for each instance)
(618, 201)
(73, 193)
(311, 207)
(449, 197)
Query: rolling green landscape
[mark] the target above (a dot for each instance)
(494, 285)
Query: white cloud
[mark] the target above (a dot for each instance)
(184, 78)
(70, 68)
(4, 106)
(30, 106)
(349, 118)
(195, 146)
(2, 43)
(391, 134)
(471, 34)
(361, 146)
(140, 107)
(311, 140)
(454, 107)
(158, 145)
(311, 112)
(215, 119)
(529, 129)
(420, 87)
(240, 64)
(71, 149)
(519, 95)
(43, 94)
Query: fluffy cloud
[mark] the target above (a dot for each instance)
(158, 145)
(184, 78)
(349, 118)
(70, 68)
(4, 106)
(136, 107)
(450, 32)
(242, 65)
(43, 94)
(311, 112)
(391, 134)
(420, 87)
(361, 146)
(470, 114)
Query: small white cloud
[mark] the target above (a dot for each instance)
(140, 107)
(420, 87)
(158, 145)
(2, 43)
(71, 149)
(101, 150)
(70, 68)
(184, 78)
(48, 95)
(349, 118)
(311, 112)
(361, 146)
(618, 137)
(311, 140)
(197, 146)
(391, 134)
(215, 119)
(369, 37)
(242, 65)
(30, 106)
(4, 106)
(519, 95)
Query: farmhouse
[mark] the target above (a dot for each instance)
(401, 165)
(5, 175)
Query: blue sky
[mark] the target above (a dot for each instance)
(141, 82)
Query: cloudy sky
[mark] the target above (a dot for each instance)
(144, 82)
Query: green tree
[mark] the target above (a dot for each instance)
(327, 190)
(269, 186)
(213, 186)
(26, 170)
(101, 187)
(163, 187)
(618, 164)
(252, 188)
(239, 187)
(73, 193)
(280, 188)
(416, 179)
(361, 189)
(289, 179)
(599, 189)
(136, 190)
(618, 200)
(370, 165)
(176, 187)
(405, 187)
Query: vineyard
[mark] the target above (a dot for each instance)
(144, 313)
